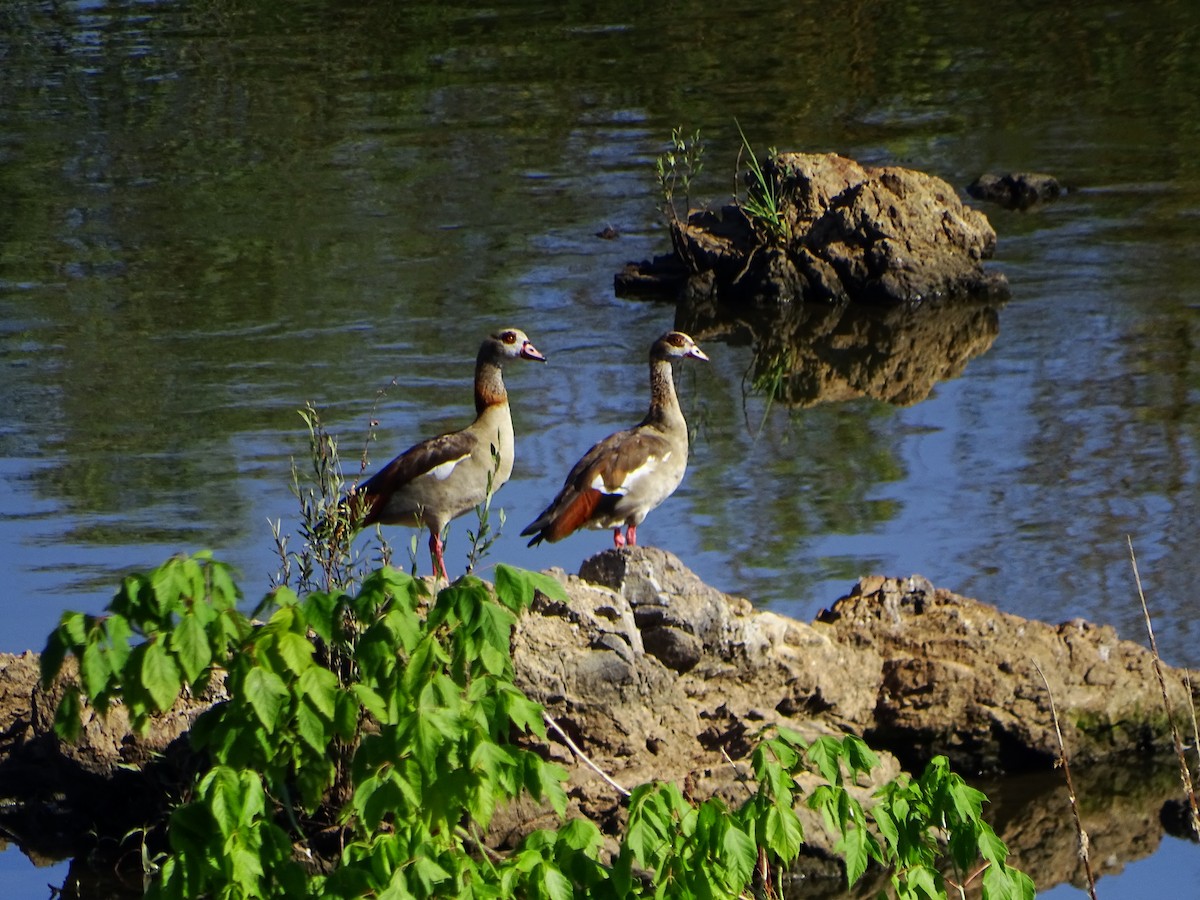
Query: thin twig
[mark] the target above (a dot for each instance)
(1084, 842)
(575, 749)
(738, 774)
(1187, 681)
(493, 855)
(1185, 774)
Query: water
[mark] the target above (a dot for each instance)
(216, 212)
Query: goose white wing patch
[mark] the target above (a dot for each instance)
(442, 471)
(631, 478)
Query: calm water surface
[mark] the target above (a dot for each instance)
(215, 212)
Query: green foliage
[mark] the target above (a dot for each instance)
(482, 539)
(389, 720)
(326, 559)
(184, 612)
(676, 168)
(922, 824)
(762, 203)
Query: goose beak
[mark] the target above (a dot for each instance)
(528, 351)
(696, 353)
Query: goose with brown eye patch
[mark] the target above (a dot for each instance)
(621, 479)
(439, 479)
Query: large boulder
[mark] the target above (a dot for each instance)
(846, 233)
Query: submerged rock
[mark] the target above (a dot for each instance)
(1016, 190)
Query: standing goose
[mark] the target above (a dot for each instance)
(628, 473)
(441, 478)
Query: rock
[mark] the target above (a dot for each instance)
(960, 677)
(1016, 190)
(852, 233)
(656, 675)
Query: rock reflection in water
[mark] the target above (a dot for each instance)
(805, 354)
(1119, 804)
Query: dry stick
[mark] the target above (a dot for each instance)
(737, 773)
(1185, 774)
(1084, 843)
(575, 749)
(1187, 681)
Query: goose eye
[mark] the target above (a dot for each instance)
(509, 337)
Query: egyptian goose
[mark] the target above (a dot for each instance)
(631, 472)
(441, 478)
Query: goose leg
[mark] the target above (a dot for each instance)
(435, 550)
(618, 538)
(631, 535)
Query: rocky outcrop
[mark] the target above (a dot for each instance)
(845, 233)
(647, 659)
(656, 675)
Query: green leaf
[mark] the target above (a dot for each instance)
(429, 873)
(53, 655)
(247, 868)
(160, 676)
(223, 790)
(886, 824)
(515, 587)
(783, 833)
(372, 702)
(312, 728)
(926, 879)
(94, 669)
(556, 884)
(345, 718)
(825, 753)
(854, 847)
(495, 626)
(266, 692)
(319, 613)
(545, 781)
(118, 633)
(190, 644)
(489, 758)
(68, 724)
(740, 853)
(319, 687)
(582, 835)
(295, 651)
(991, 847)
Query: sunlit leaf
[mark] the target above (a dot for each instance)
(160, 675)
(266, 693)
(190, 644)
(94, 669)
(295, 651)
(739, 853)
(319, 687)
(515, 587)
